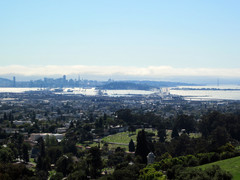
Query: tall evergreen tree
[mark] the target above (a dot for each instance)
(142, 146)
(131, 146)
(25, 148)
(94, 162)
(41, 144)
(162, 134)
(40, 161)
(64, 164)
(175, 132)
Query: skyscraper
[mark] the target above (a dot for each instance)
(64, 78)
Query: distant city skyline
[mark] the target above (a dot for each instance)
(102, 74)
(124, 39)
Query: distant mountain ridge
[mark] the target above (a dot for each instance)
(5, 82)
(122, 85)
(159, 84)
(140, 85)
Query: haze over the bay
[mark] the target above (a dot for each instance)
(154, 40)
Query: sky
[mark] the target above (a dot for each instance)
(125, 38)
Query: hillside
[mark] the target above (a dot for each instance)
(125, 86)
(141, 85)
(231, 165)
(159, 84)
(5, 82)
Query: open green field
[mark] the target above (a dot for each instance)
(110, 146)
(122, 139)
(231, 165)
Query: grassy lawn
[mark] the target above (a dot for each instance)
(114, 146)
(124, 137)
(191, 135)
(110, 146)
(88, 143)
(231, 165)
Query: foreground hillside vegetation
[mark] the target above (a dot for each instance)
(231, 165)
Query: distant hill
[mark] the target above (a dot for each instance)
(122, 85)
(5, 82)
(159, 84)
(140, 85)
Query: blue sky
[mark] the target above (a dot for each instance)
(179, 34)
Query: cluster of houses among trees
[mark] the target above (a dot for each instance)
(59, 136)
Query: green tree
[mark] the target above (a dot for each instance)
(57, 176)
(219, 137)
(64, 164)
(131, 129)
(181, 146)
(14, 150)
(142, 146)
(6, 155)
(41, 145)
(43, 161)
(54, 153)
(80, 171)
(15, 171)
(214, 172)
(17, 140)
(69, 146)
(131, 146)
(78, 175)
(94, 162)
(185, 122)
(151, 173)
(125, 115)
(162, 135)
(175, 132)
(210, 122)
(117, 157)
(51, 141)
(25, 148)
